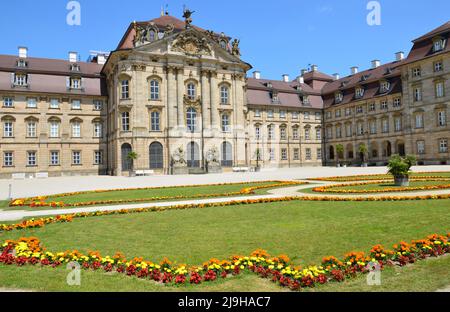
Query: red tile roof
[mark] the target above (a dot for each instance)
(435, 32)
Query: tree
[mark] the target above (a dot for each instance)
(363, 151)
(132, 156)
(339, 152)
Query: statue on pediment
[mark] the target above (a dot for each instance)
(188, 17)
(236, 51)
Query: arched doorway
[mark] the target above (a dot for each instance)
(156, 156)
(227, 155)
(331, 152)
(127, 164)
(350, 153)
(401, 148)
(193, 155)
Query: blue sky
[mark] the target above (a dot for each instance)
(277, 37)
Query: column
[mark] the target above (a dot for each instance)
(214, 110)
(171, 97)
(180, 92)
(206, 101)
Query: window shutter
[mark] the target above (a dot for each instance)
(13, 75)
(83, 82)
(68, 83)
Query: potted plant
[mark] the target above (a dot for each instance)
(132, 156)
(339, 152)
(363, 151)
(400, 167)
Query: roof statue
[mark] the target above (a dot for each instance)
(188, 17)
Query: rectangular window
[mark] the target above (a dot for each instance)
(295, 135)
(76, 158)
(8, 159)
(31, 159)
(308, 154)
(328, 115)
(271, 154)
(306, 115)
(384, 104)
(318, 134)
(125, 90)
(398, 124)
(443, 146)
(76, 104)
(76, 130)
(283, 114)
(31, 103)
(439, 86)
(372, 107)
(438, 67)
(98, 105)
(8, 102)
(31, 129)
(307, 134)
(338, 132)
(20, 80)
(283, 135)
(54, 158)
(155, 121)
(442, 119)
(270, 113)
(54, 129)
(98, 158)
(397, 102)
(330, 133)
(419, 121)
(385, 125)
(284, 155)
(98, 130)
(257, 132)
(257, 113)
(318, 116)
(75, 83)
(296, 154)
(420, 147)
(417, 94)
(54, 103)
(359, 109)
(294, 115)
(337, 113)
(373, 127)
(8, 129)
(360, 128)
(319, 153)
(416, 72)
(270, 132)
(349, 130)
(348, 111)
(125, 121)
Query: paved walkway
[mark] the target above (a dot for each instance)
(37, 187)
(275, 193)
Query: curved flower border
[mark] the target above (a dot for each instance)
(40, 200)
(332, 188)
(28, 251)
(38, 223)
(377, 177)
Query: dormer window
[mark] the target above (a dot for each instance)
(364, 77)
(339, 97)
(22, 63)
(385, 86)
(75, 67)
(359, 92)
(305, 100)
(75, 83)
(438, 44)
(20, 80)
(223, 44)
(269, 85)
(274, 96)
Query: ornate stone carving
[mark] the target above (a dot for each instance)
(188, 17)
(189, 102)
(150, 33)
(178, 157)
(213, 155)
(191, 44)
(236, 51)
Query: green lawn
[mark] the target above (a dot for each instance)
(150, 194)
(386, 186)
(306, 231)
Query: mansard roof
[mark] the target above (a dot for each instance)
(258, 93)
(445, 28)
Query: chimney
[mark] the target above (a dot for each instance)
(314, 68)
(101, 59)
(354, 70)
(300, 80)
(257, 74)
(336, 76)
(399, 56)
(285, 78)
(375, 64)
(73, 57)
(303, 71)
(23, 52)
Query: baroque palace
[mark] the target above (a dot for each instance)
(175, 99)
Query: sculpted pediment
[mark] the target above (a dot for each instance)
(191, 43)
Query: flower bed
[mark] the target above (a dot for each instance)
(378, 177)
(35, 223)
(28, 251)
(333, 188)
(40, 201)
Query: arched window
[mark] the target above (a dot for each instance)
(193, 155)
(76, 128)
(224, 95)
(98, 128)
(151, 35)
(191, 119)
(227, 155)
(31, 123)
(191, 91)
(154, 89)
(226, 123)
(127, 163)
(155, 121)
(156, 156)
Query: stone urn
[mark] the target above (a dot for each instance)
(401, 180)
